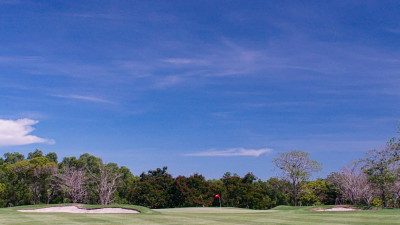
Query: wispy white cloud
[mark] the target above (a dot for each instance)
(95, 15)
(180, 61)
(166, 81)
(16, 132)
(393, 30)
(84, 98)
(6, 59)
(222, 114)
(12, 2)
(232, 152)
(226, 58)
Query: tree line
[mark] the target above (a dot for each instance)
(40, 178)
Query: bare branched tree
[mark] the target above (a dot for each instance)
(395, 190)
(354, 184)
(107, 182)
(72, 182)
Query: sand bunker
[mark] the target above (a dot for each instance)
(337, 209)
(77, 209)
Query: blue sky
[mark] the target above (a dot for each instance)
(200, 86)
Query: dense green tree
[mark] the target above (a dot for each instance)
(244, 192)
(297, 168)
(52, 156)
(217, 187)
(71, 162)
(13, 157)
(33, 181)
(90, 162)
(194, 191)
(313, 192)
(41, 171)
(3, 194)
(35, 173)
(35, 154)
(278, 191)
(126, 188)
(155, 189)
(382, 168)
(233, 189)
(261, 199)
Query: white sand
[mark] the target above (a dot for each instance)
(76, 209)
(338, 209)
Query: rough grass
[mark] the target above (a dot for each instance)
(279, 215)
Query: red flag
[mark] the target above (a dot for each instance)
(217, 195)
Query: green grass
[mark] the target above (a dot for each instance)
(278, 215)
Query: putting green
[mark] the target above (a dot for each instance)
(211, 210)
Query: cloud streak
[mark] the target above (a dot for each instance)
(84, 98)
(16, 132)
(232, 152)
(180, 61)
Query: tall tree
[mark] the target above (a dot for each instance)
(155, 189)
(194, 191)
(72, 182)
(37, 173)
(296, 167)
(35, 154)
(382, 168)
(278, 190)
(353, 184)
(52, 156)
(107, 181)
(13, 157)
(127, 184)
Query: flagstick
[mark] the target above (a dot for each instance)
(219, 201)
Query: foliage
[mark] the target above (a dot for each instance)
(106, 181)
(72, 182)
(382, 168)
(155, 189)
(314, 192)
(41, 179)
(278, 190)
(193, 191)
(13, 157)
(297, 168)
(377, 202)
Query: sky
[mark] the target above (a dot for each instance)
(200, 86)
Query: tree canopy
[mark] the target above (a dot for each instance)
(297, 168)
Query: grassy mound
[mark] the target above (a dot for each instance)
(141, 209)
(212, 210)
(296, 208)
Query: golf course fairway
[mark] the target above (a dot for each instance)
(278, 215)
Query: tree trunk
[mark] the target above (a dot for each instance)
(384, 197)
(295, 193)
